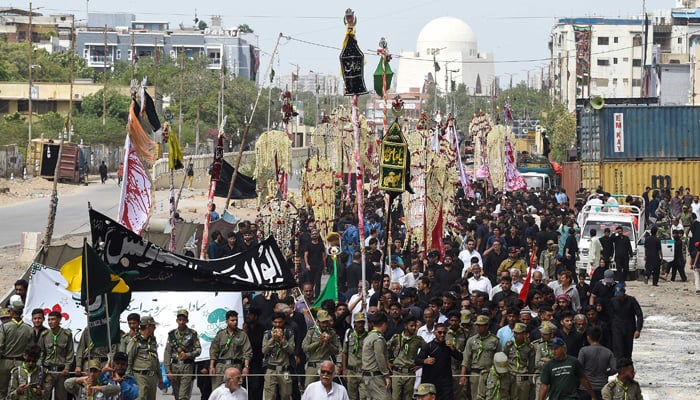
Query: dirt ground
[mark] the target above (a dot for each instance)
(666, 355)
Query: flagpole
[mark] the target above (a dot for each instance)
(247, 127)
(215, 172)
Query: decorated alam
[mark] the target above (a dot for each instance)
(428, 257)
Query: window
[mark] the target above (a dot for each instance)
(680, 40)
(625, 59)
(603, 41)
(119, 54)
(615, 39)
(636, 62)
(614, 60)
(637, 40)
(603, 62)
(625, 82)
(86, 53)
(128, 53)
(614, 82)
(636, 82)
(601, 82)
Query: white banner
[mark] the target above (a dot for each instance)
(619, 131)
(207, 310)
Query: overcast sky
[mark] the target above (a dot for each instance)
(515, 31)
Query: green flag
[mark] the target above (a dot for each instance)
(102, 302)
(330, 291)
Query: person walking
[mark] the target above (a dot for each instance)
(623, 253)
(478, 354)
(277, 346)
(142, 353)
(230, 348)
(626, 320)
(376, 379)
(521, 361)
(56, 346)
(435, 358)
(598, 363)
(321, 343)
(562, 375)
(190, 175)
(678, 263)
(15, 336)
(103, 172)
(352, 355)
(652, 257)
(498, 383)
(403, 350)
(180, 352)
(624, 386)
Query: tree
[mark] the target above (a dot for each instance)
(51, 124)
(244, 28)
(202, 25)
(561, 130)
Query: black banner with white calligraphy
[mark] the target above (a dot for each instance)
(261, 268)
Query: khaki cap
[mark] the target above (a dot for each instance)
(322, 315)
(425, 388)
(482, 320)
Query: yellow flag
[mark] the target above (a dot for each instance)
(174, 150)
(121, 287)
(73, 273)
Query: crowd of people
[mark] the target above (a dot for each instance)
(498, 311)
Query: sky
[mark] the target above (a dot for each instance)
(515, 31)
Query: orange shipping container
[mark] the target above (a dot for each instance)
(571, 177)
(633, 177)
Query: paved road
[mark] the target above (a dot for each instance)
(71, 218)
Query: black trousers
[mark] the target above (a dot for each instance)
(623, 269)
(652, 270)
(678, 266)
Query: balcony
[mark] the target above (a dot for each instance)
(99, 61)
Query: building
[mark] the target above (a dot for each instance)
(320, 84)
(109, 42)
(49, 32)
(446, 50)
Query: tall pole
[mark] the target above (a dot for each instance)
(156, 59)
(104, 81)
(31, 53)
(180, 99)
(196, 124)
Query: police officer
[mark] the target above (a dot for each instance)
(142, 354)
(320, 344)
(478, 354)
(403, 349)
(352, 355)
(542, 351)
(15, 336)
(498, 382)
(88, 351)
(457, 337)
(521, 359)
(624, 386)
(277, 347)
(29, 380)
(376, 381)
(57, 355)
(230, 348)
(180, 351)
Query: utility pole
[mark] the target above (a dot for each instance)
(104, 81)
(31, 53)
(156, 59)
(180, 98)
(196, 126)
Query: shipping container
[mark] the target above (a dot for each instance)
(571, 177)
(588, 134)
(633, 177)
(590, 175)
(650, 133)
(71, 166)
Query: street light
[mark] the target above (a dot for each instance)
(31, 96)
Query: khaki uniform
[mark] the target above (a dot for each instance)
(521, 360)
(276, 352)
(87, 351)
(38, 378)
(186, 341)
(542, 355)
(616, 390)
(402, 355)
(14, 338)
(317, 352)
(80, 393)
(56, 356)
(458, 340)
(495, 386)
(352, 352)
(478, 356)
(144, 365)
(375, 367)
(229, 350)
(124, 342)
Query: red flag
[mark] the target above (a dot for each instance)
(135, 203)
(526, 285)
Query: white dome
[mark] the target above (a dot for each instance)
(449, 32)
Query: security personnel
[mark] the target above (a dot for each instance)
(320, 344)
(15, 336)
(624, 387)
(87, 387)
(352, 355)
(142, 354)
(478, 354)
(457, 337)
(376, 381)
(498, 382)
(465, 319)
(403, 349)
(521, 359)
(133, 321)
(542, 352)
(277, 347)
(56, 346)
(230, 348)
(31, 373)
(180, 351)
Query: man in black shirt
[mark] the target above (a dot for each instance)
(436, 359)
(652, 256)
(315, 260)
(623, 252)
(606, 248)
